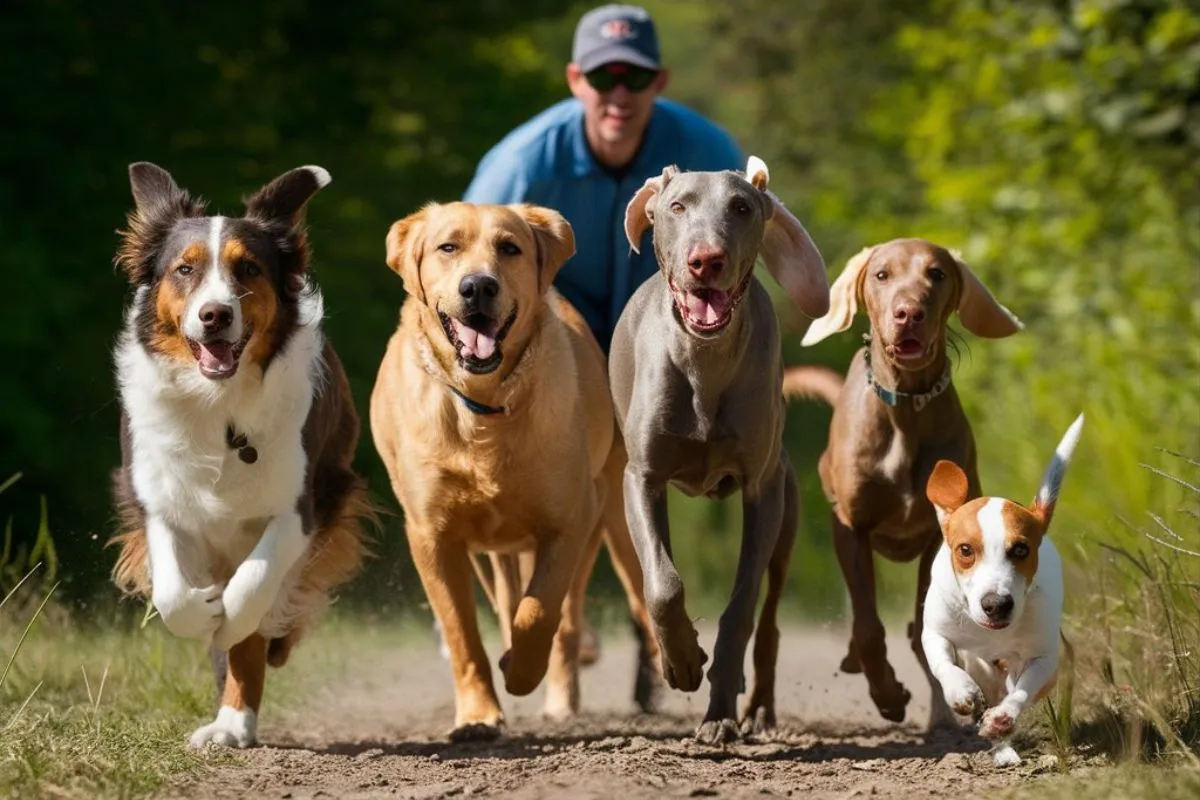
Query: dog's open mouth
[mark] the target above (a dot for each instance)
(218, 359)
(476, 340)
(704, 310)
(994, 626)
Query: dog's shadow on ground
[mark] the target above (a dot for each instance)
(673, 737)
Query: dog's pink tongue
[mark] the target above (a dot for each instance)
(216, 356)
(474, 343)
(707, 307)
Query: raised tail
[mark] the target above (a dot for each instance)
(813, 382)
(1047, 496)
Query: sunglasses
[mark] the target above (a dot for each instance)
(635, 79)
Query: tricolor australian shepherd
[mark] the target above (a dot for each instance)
(239, 508)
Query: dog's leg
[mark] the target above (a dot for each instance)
(539, 613)
(445, 571)
(760, 712)
(187, 611)
(868, 645)
(648, 680)
(236, 724)
(255, 585)
(646, 512)
(762, 518)
(562, 676)
(1034, 680)
(506, 583)
(940, 716)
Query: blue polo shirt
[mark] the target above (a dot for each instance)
(547, 161)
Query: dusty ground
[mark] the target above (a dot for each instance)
(378, 730)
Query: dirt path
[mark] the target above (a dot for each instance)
(378, 730)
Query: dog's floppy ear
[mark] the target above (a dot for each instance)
(158, 203)
(639, 214)
(947, 489)
(788, 251)
(283, 199)
(980, 313)
(405, 246)
(555, 241)
(844, 298)
(1047, 496)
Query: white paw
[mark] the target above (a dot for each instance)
(997, 723)
(190, 613)
(231, 728)
(247, 601)
(964, 696)
(1005, 756)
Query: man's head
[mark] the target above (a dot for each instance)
(616, 73)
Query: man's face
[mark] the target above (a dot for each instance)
(616, 114)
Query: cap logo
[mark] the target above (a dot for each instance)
(617, 29)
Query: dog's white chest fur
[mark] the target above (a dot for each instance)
(183, 469)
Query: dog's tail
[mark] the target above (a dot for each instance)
(1047, 496)
(813, 382)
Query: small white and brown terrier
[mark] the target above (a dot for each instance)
(993, 613)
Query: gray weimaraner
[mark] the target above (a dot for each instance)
(696, 378)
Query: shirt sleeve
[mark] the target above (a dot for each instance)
(500, 178)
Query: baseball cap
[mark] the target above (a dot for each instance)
(616, 33)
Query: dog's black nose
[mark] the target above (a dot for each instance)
(479, 290)
(216, 317)
(996, 606)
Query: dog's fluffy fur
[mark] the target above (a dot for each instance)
(239, 510)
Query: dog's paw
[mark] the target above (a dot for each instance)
(232, 728)
(759, 720)
(718, 731)
(683, 659)
(190, 613)
(997, 723)
(891, 701)
(964, 696)
(247, 602)
(1005, 756)
(476, 732)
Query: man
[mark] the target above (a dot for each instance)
(587, 155)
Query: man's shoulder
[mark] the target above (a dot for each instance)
(534, 143)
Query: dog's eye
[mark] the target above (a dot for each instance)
(677, 208)
(881, 275)
(184, 269)
(248, 269)
(448, 247)
(966, 551)
(740, 206)
(509, 249)
(936, 275)
(1019, 551)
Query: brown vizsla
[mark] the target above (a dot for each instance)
(897, 414)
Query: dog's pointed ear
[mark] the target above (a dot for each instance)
(639, 214)
(158, 203)
(844, 297)
(555, 240)
(405, 246)
(981, 313)
(1047, 496)
(152, 186)
(947, 489)
(283, 199)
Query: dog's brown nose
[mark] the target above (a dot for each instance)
(216, 316)
(905, 313)
(705, 262)
(996, 606)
